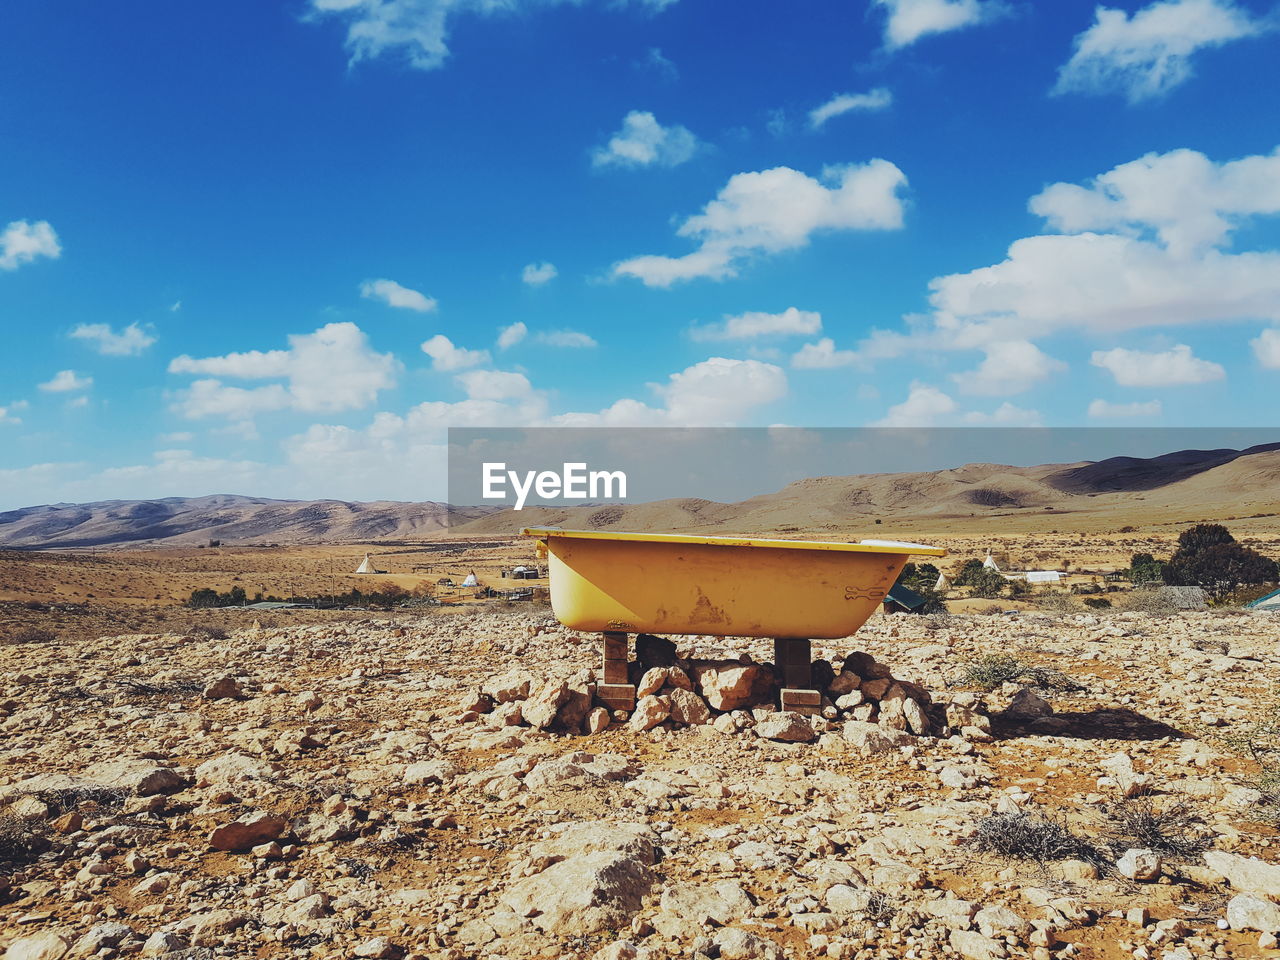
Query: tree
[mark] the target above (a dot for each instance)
(1202, 536)
(1143, 568)
(204, 597)
(1220, 569)
(967, 574)
(986, 583)
(1208, 556)
(918, 576)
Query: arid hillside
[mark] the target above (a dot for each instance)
(189, 520)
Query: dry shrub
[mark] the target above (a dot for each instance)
(21, 841)
(1024, 836)
(1140, 823)
(1151, 602)
(31, 635)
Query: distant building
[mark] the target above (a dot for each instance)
(366, 566)
(903, 600)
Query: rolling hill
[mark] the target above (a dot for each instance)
(1176, 487)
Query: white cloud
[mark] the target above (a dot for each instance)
(909, 20)
(1170, 368)
(445, 356)
(566, 338)
(66, 381)
(511, 335)
(1162, 266)
(495, 385)
(655, 60)
(1010, 366)
(23, 241)
(175, 306)
(1104, 409)
(394, 295)
(1266, 347)
(6, 415)
(332, 369)
(716, 392)
(644, 142)
(1181, 198)
(823, 355)
(923, 406)
(841, 103)
(419, 29)
(1005, 415)
(1149, 53)
(775, 210)
(536, 274)
(755, 323)
(180, 436)
(129, 342)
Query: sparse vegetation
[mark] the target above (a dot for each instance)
(1025, 836)
(1139, 822)
(991, 671)
(21, 840)
(1097, 603)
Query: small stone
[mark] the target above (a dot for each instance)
(785, 726)
(1027, 705)
(377, 948)
(225, 687)
(247, 832)
(1142, 865)
(597, 720)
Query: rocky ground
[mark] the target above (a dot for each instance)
(423, 786)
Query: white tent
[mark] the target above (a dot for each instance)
(471, 580)
(990, 564)
(1271, 602)
(1043, 576)
(941, 582)
(366, 566)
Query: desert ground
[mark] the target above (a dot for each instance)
(1011, 779)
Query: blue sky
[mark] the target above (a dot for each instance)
(277, 248)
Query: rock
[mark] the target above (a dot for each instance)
(996, 921)
(43, 946)
(650, 711)
(583, 894)
(247, 832)
(734, 943)
(429, 771)
(544, 703)
(846, 681)
(871, 738)
(654, 651)
(378, 948)
(597, 720)
(231, 768)
(1142, 865)
(652, 681)
(845, 899)
(1246, 874)
(785, 726)
(1078, 871)
(151, 886)
(724, 901)
(618, 950)
(161, 943)
(917, 719)
(629, 839)
(874, 689)
(975, 946)
(1027, 705)
(573, 712)
(732, 685)
(224, 687)
(866, 667)
(140, 777)
(510, 686)
(1247, 912)
(100, 935)
(688, 708)
(1120, 771)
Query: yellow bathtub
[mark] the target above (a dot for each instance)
(722, 586)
